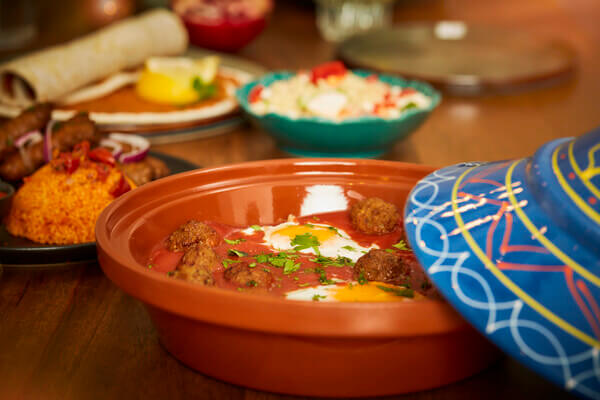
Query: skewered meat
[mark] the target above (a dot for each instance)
(149, 169)
(64, 136)
(32, 119)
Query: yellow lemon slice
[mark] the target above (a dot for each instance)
(176, 80)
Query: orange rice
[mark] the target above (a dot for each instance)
(54, 207)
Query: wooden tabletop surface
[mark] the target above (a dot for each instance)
(72, 334)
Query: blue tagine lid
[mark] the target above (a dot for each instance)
(514, 246)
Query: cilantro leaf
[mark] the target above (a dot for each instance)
(304, 241)
(204, 91)
(238, 253)
(256, 227)
(349, 248)
(402, 292)
(252, 283)
(234, 241)
(317, 297)
(289, 266)
(361, 278)
(401, 245)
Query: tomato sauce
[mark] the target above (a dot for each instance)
(308, 274)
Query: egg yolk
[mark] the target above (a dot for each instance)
(369, 292)
(322, 233)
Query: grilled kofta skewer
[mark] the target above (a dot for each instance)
(64, 138)
(33, 119)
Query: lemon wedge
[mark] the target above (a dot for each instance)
(176, 80)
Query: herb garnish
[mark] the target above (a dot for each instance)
(228, 261)
(317, 297)
(289, 266)
(349, 248)
(339, 261)
(204, 91)
(234, 241)
(256, 227)
(401, 245)
(402, 292)
(252, 283)
(304, 284)
(304, 241)
(323, 277)
(361, 278)
(238, 253)
(251, 265)
(389, 250)
(150, 266)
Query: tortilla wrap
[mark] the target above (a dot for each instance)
(51, 74)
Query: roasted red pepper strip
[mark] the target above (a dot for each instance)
(69, 162)
(121, 187)
(254, 94)
(333, 68)
(102, 155)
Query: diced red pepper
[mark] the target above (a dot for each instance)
(121, 187)
(333, 68)
(70, 163)
(407, 91)
(102, 172)
(81, 149)
(254, 94)
(102, 155)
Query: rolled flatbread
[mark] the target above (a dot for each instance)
(51, 74)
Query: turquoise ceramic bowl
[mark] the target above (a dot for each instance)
(363, 137)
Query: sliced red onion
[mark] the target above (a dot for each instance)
(29, 137)
(115, 147)
(139, 147)
(48, 141)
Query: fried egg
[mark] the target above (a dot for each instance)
(354, 292)
(329, 240)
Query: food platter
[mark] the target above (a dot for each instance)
(22, 253)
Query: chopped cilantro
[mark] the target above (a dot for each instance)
(238, 253)
(317, 297)
(296, 278)
(333, 262)
(402, 292)
(323, 276)
(256, 227)
(304, 241)
(333, 228)
(234, 241)
(309, 225)
(389, 250)
(251, 265)
(205, 91)
(266, 270)
(361, 278)
(304, 284)
(240, 289)
(252, 283)
(316, 218)
(150, 266)
(349, 248)
(228, 261)
(289, 266)
(262, 258)
(401, 245)
(409, 106)
(350, 285)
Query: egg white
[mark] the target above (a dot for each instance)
(332, 247)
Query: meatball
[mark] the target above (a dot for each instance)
(242, 275)
(379, 265)
(197, 265)
(374, 216)
(192, 233)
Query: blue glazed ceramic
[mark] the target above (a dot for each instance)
(363, 137)
(514, 246)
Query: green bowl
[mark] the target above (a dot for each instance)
(363, 137)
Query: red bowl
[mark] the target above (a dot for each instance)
(227, 35)
(274, 344)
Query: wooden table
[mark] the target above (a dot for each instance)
(71, 334)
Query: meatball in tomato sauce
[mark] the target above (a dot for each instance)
(244, 276)
(374, 216)
(381, 266)
(197, 265)
(191, 233)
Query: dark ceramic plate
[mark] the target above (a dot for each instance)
(19, 252)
